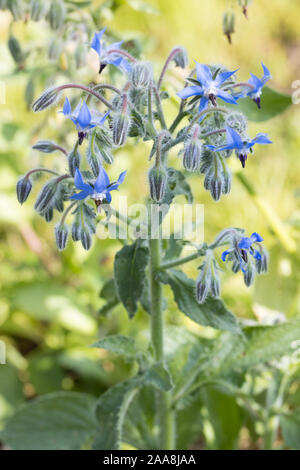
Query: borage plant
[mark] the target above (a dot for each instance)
(158, 407)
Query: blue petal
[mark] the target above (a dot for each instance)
(262, 138)
(67, 108)
(257, 254)
(108, 196)
(225, 254)
(117, 183)
(102, 181)
(203, 74)
(267, 74)
(203, 105)
(81, 195)
(190, 91)
(245, 243)
(255, 237)
(222, 77)
(96, 42)
(78, 180)
(233, 138)
(227, 97)
(84, 116)
(211, 147)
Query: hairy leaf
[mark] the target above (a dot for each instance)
(212, 313)
(123, 345)
(129, 269)
(58, 421)
(290, 426)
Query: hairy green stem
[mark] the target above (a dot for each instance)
(165, 414)
(166, 65)
(88, 90)
(177, 262)
(159, 108)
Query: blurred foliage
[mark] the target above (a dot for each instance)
(49, 307)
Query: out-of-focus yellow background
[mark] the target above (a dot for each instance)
(49, 301)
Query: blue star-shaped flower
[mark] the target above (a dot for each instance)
(242, 147)
(244, 248)
(100, 190)
(208, 89)
(105, 56)
(83, 118)
(257, 84)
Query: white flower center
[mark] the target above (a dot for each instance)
(210, 91)
(98, 197)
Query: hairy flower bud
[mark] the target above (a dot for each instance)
(141, 75)
(249, 274)
(61, 236)
(76, 231)
(103, 136)
(16, 9)
(57, 14)
(262, 262)
(121, 127)
(74, 159)
(192, 155)
(15, 49)
(45, 146)
(80, 55)
(202, 289)
(85, 238)
(181, 57)
(50, 97)
(55, 48)
(46, 197)
(158, 178)
(24, 187)
(48, 214)
(228, 24)
(38, 9)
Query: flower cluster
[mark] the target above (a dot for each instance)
(209, 136)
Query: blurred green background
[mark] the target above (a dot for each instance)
(49, 300)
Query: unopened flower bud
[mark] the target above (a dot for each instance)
(74, 159)
(202, 288)
(181, 57)
(141, 75)
(192, 155)
(121, 127)
(50, 97)
(158, 178)
(38, 9)
(16, 9)
(46, 197)
(227, 178)
(228, 24)
(24, 187)
(48, 214)
(15, 49)
(57, 14)
(85, 238)
(215, 187)
(249, 274)
(61, 236)
(103, 137)
(262, 262)
(76, 231)
(80, 55)
(45, 146)
(55, 48)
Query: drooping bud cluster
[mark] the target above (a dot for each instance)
(245, 253)
(208, 281)
(218, 176)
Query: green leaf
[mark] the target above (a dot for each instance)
(177, 184)
(123, 345)
(212, 313)
(108, 293)
(58, 421)
(290, 426)
(129, 269)
(11, 391)
(112, 406)
(273, 103)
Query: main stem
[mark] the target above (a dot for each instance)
(165, 414)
